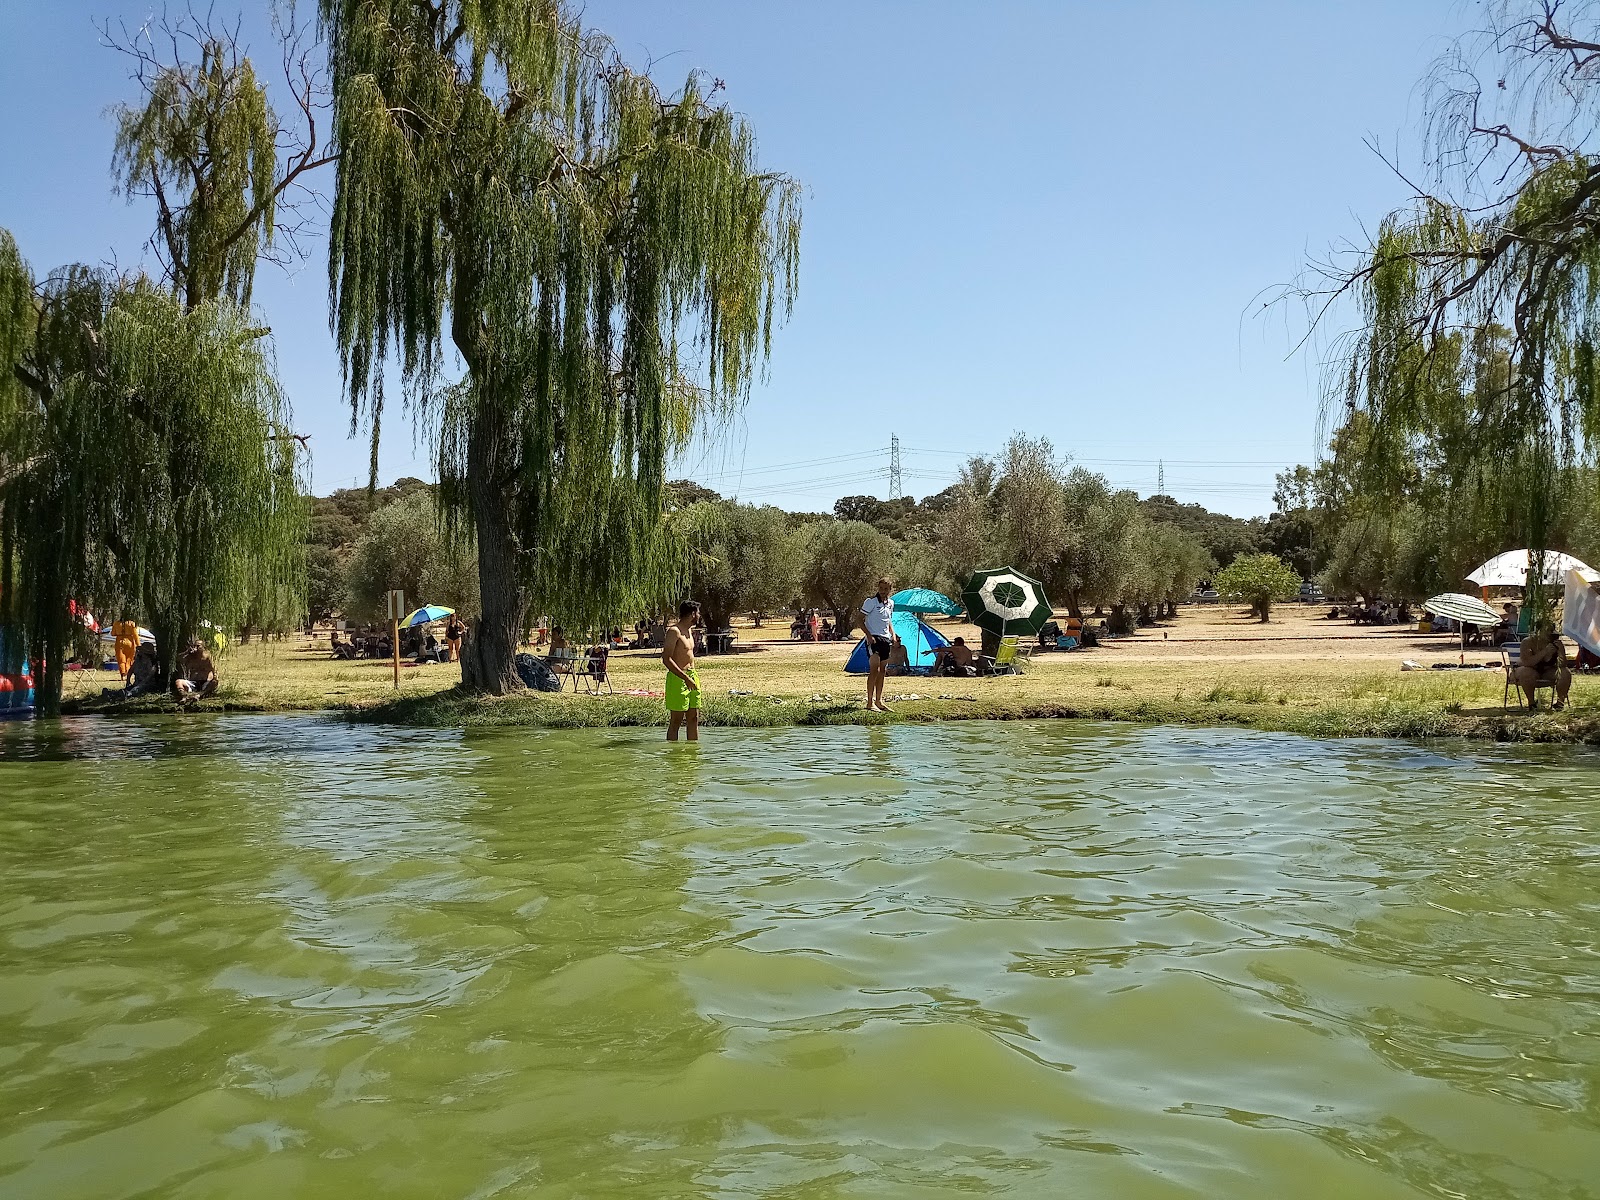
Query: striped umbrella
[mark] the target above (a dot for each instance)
(1461, 607)
(426, 614)
(1006, 602)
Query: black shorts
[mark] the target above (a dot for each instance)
(878, 646)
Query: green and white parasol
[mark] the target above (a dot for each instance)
(1006, 602)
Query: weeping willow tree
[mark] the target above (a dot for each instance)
(226, 176)
(142, 460)
(207, 149)
(1480, 301)
(606, 260)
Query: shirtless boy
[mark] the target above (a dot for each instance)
(683, 684)
(196, 677)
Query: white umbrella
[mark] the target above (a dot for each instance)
(1511, 569)
(144, 636)
(1460, 607)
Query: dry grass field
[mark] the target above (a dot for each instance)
(1211, 665)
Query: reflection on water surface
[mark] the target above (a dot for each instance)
(268, 957)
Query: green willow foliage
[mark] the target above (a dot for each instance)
(587, 244)
(204, 146)
(144, 462)
(1481, 313)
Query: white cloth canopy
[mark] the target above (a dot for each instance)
(1580, 613)
(1511, 569)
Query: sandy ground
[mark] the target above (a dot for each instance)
(1215, 633)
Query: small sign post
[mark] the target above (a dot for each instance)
(397, 608)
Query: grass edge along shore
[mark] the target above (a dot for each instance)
(1384, 718)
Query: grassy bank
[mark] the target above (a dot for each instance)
(1382, 717)
(1294, 684)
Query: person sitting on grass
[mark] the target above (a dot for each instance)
(899, 661)
(142, 675)
(956, 659)
(1543, 663)
(196, 677)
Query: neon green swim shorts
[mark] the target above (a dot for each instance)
(680, 696)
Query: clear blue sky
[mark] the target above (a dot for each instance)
(1047, 216)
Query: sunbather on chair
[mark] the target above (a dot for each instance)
(1544, 664)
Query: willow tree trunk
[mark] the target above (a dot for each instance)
(49, 676)
(166, 631)
(488, 658)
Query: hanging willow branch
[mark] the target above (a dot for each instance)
(226, 175)
(143, 461)
(607, 261)
(1478, 301)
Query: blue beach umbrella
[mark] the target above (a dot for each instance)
(926, 600)
(427, 613)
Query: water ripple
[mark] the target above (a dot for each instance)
(281, 956)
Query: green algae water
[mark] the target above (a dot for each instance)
(288, 958)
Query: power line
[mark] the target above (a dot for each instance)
(810, 462)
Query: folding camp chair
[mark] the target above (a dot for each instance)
(1007, 660)
(564, 662)
(591, 669)
(1511, 659)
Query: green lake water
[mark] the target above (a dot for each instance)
(283, 957)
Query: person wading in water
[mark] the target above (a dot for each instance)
(683, 684)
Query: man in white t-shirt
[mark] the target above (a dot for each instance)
(879, 629)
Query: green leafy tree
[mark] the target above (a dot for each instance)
(1223, 536)
(1098, 556)
(1029, 505)
(196, 512)
(744, 559)
(920, 564)
(967, 534)
(325, 583)
(843, 561)
(858, 508)
(147, 461)
(582, 239)
(683, 492)
(404, 547)
(1479, 300)
(1258, 580)
(1167, 563)
(207, 149)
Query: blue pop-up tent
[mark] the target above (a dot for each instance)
(920, 638)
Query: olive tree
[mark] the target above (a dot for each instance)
(743, 559)
(404, 547)
(843, 561)
(1258, 580)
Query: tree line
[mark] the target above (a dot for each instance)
(1097, 548)
(606, 260)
